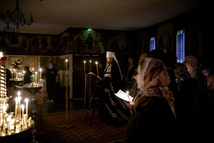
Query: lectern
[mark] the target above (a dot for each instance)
(89, 94)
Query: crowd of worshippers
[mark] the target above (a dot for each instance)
(166, 94)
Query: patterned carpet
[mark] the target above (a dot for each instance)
(80, 132)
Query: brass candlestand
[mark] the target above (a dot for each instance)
(67, 123)
(33, 91)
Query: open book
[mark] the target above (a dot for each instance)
(121, 94)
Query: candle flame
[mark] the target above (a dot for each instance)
(16, 99)
(18, 93)
(22, 106)
(26, 100)
(127, 92)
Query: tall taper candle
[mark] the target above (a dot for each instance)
(36, 76)
(84, 66)
(40, 74)
(66, 64)
(90, 65)
(97, 68)
(23, 107)
(16, 99)
(19, 104)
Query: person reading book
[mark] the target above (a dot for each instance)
(112, 110)
(153, 109)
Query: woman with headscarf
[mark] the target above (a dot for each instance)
(112, 110)
(153, 109)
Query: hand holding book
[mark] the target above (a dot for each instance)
(121, 94)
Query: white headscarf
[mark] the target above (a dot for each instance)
(112, 55)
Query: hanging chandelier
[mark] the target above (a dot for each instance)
(16, 18)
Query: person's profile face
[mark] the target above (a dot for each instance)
(130, 60)
(109, 60)
(188, 64)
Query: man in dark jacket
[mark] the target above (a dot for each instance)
(51, 74)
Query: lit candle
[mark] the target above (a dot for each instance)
(97, 68)
(66, 64)
(90, 65)
(19, 106)
(26, 101)
(127, 92)
(18, 93)
(40, 72)
(84, 66)
(36, 76)
(23, 107)
(16, 106)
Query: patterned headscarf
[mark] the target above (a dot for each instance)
(154, 81)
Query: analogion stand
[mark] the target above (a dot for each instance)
(89, 96)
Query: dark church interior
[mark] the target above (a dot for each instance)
(75, 35)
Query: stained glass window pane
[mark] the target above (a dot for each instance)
(152, 43)
(180, 46)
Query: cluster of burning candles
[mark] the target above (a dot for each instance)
(19, 108)
(12, 124)
(35, 75)
(18, 76)
(90, 61)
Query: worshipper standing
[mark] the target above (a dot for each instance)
(50, 74)
(153, 110)
(129, 73)
(191, 63)
(210, 81)
(187, 102)
(27, 75)
(112, 110)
